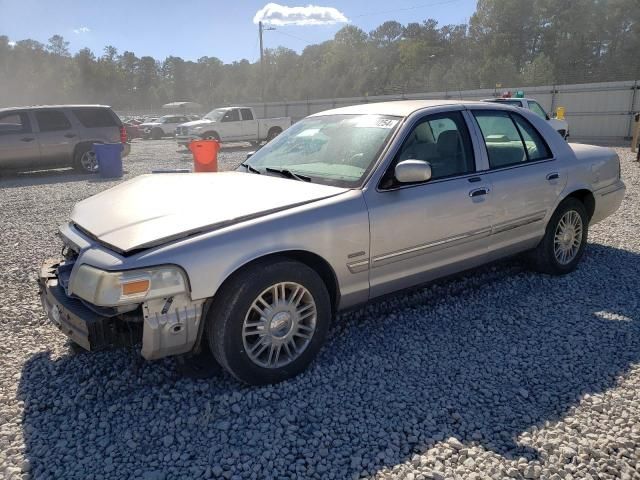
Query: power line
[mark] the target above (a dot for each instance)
(414, 7)
(308, 42)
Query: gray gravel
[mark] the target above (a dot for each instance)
(499, 374)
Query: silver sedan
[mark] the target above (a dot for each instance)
(343, 207)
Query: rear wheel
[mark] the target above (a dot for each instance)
(563, 244)
(84, 159)
(268, 322)
(273, 133)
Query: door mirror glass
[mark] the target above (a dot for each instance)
(411, 171)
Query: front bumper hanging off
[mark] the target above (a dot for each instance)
(165, 326)
(78, 322)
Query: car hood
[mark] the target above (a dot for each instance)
(150, 210)
(196, 123)
(150, 124)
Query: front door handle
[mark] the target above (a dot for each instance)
(478, 191)
(27, 139)
(70, 135)
(553, 176)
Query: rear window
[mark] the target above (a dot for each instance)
(52, 120)
(95, 117)
(247, 114)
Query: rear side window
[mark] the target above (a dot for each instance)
(14, 123)
(95, 117)
(510, 139)
(247, 114)
(52, 120)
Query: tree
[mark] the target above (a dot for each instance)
(58, 46)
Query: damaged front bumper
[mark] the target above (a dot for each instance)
(166, 326)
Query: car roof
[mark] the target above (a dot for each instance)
(400, 108)
(44, 107)
(503, 99)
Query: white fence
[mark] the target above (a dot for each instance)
(596, 112)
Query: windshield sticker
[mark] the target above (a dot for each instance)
(373, 121)
(310, 132)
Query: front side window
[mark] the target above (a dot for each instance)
(14, 123)
(331, 149)
(443, 141)
(510, 139)
(232, 116)
(537, 109)
(52, 120)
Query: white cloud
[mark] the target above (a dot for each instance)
(275, 14)
(12, 44)
(81, 30)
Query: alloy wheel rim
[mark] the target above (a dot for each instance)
(568, 237)
(279, 325)
(89, 162)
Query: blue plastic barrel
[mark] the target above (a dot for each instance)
(109, 157)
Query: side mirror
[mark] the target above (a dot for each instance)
(554, 114)
(249, 155)
(410, 171)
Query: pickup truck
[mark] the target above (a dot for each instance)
(232, 124)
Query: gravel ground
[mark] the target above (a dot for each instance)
(498, 374)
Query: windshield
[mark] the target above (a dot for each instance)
(334, 149)
(216, 115)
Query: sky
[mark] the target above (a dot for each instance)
(195, 28)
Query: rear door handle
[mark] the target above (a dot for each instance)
(27, 139)
(553, 176)
(70, 135)
(478, 191)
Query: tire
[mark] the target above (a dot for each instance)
(273, 133)
(211, 136)
(548, 256)
(239, 347)
(84, 159)
(157, 133)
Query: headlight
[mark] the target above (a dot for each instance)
(109, 289)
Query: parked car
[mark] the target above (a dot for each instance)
(345, 206)
(232, 124)
(133, 130)
(162, 127)
(560, 126)
(57, 136)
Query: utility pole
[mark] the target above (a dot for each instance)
(262, 29)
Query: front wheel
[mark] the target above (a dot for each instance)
(563, 244)
(157, 133)
(269, 321)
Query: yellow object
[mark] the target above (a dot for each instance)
(636, 133)
(560, 113)
(135, 287)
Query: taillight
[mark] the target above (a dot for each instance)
(123, 134)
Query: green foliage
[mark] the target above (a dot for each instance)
(510, 42)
